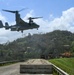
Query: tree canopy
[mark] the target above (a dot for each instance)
(33, 46)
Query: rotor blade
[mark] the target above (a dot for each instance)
(23, 9)
(34, 17)
(9, 11)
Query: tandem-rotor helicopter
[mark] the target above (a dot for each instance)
(20, 25)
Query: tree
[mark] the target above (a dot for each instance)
(72, 47)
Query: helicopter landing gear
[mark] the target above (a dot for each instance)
(22, 31)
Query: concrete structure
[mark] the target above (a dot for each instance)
(36, 66)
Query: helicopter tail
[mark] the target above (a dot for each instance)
(1, 24)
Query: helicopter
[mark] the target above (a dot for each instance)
(20, 25)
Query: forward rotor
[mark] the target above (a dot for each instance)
(14, 11)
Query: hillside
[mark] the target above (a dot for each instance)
(33, 46)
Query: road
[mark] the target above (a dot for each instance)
(14, 69)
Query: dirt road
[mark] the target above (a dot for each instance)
(14, 69)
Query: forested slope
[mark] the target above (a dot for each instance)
(33, 46)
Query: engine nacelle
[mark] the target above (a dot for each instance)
(6, 25)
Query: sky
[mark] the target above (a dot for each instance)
(57, 15)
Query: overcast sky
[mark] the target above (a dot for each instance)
(57, 14)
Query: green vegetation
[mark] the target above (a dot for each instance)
(33, 46)
(66, 64)
(6, 64)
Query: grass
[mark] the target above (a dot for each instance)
(66, 64)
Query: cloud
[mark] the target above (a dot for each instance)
(2, 17)
(30, 14)
(64, 22)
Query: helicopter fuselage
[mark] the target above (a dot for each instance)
(25, 26)
(20, 24)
